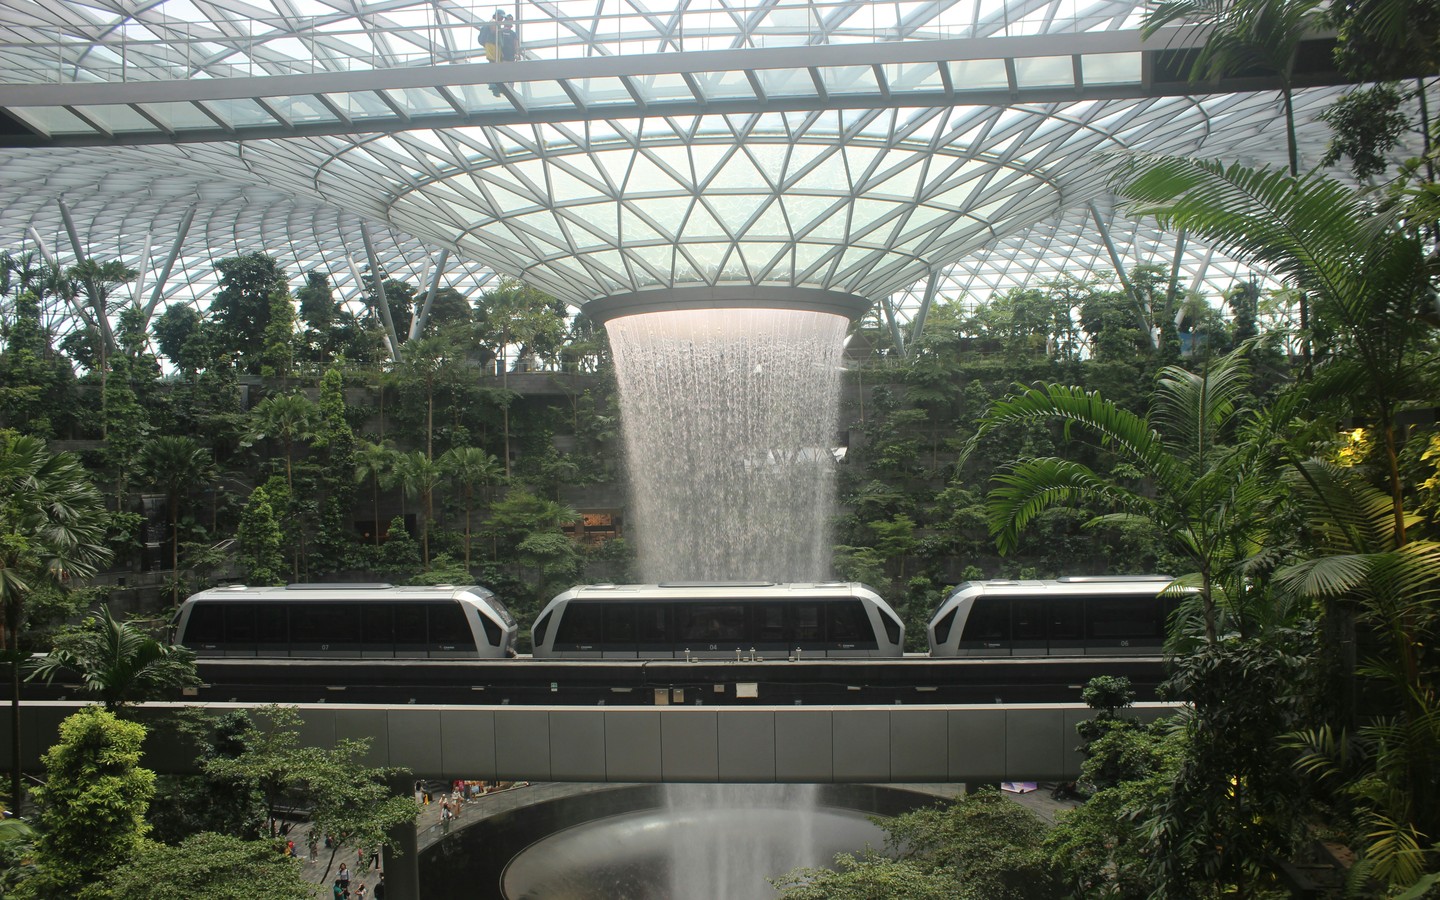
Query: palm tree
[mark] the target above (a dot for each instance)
(287, 417)
(52, 529)
(1364, 268)
(424, 359)
(418, 475)
(373, 462)
(176, 464)
(467, 467)
(1200, 494)
(119, 662)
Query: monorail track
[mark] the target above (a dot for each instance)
(527, 681)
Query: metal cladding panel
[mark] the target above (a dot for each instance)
(746, 743)
(467, 742)
(412, 739)
(577, 745)
(1035, 743)
(977, 744)
(365, 724)
(689, 745)
(632, 745)
(919, 745)
(522, 745)
(803, 746)
(861, 745)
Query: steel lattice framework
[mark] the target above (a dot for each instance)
(891, 149)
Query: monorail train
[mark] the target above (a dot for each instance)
(1109, 616)
(718, 621)
(346, 620)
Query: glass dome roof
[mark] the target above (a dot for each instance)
(889, 149)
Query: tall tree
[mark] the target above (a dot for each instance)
(418, 476)
(92, 807)
(515, 314)
(372, 463)
(241, 308)
(52, 527)
(467, 467)
(288, 418)
(176, 464)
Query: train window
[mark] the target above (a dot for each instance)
(710, 622)
(942, 627)
(492, 630)
(769, 623)
(1117, 618)
(501, 610)
(206, 624)
(537, 634)
(582, 623)
(620, 623)
(1028, 619)
(652, 623)
(377, 624)
(448, 626)
(1067, 619)
(848, 621)
(310, 624)
(808, 623)
(989, 620)
(239, 623)
(272, 623)
(410, 624)
(892, 627)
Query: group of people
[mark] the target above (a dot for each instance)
(342, 889)
(501, 42)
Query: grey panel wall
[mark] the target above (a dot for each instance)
(675, 744)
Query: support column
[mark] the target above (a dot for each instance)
(1140, 313)
(421, 318)
(917, 324)
(174, 254)
(402, 865)
(379, 278)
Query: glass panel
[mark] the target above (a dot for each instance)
(179, 116)
(303, 108)
(978, 74)
(240, 623)
(544, 93)
(600, 91)
(652, 623)
(722, 85)
(989, 621)
(808, 623)
(206, 624)
(942, 627)
(360, 105)
(419, 101)
(848, 622)
(1044, 71)
(1111, 68)
(378, 624)
(410, 624)
(655, 88)
(241, 113)
(478, 98)
(849, 79)
(769, 623)
(542, 625)
(116, 117)
(1122, 618)
(582, 624)
(620, 624)
(272, 623)
(1028, 619)
(703, 623)
(787, 82)
(448, 627)
(1067, 620)
(914, 77)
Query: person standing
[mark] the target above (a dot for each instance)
(343, 877)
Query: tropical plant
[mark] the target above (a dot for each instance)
(176, 464)
(52, 524)
(418, 476)
(1365, 269)
(468, 467)
(289, 418)
(209, 866)
(373, 462)
(118, 662)
(1202, 494)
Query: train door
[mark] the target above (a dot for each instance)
(652, 630)
(1066, 617)
(1029, 627)
(581, 632)
(769, 633)
(619, 631)
(987, 628)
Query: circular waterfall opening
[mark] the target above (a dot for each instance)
(648, 842)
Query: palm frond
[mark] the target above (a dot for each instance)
(1324, 576)
(1197, 409)
(1034, 485)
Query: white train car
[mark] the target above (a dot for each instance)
(718, 621)
(1103, 615)
(371, 621)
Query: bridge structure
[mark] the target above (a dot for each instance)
(764, 744)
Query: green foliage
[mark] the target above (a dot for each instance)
(209, 866)
(981, 847)
(400, 554)
(241, 309)
(118, 662)
(92, 807)
(347, 798)
(261, 540)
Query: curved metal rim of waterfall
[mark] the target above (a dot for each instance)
(604, 309)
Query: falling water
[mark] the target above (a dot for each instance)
(729, 420)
